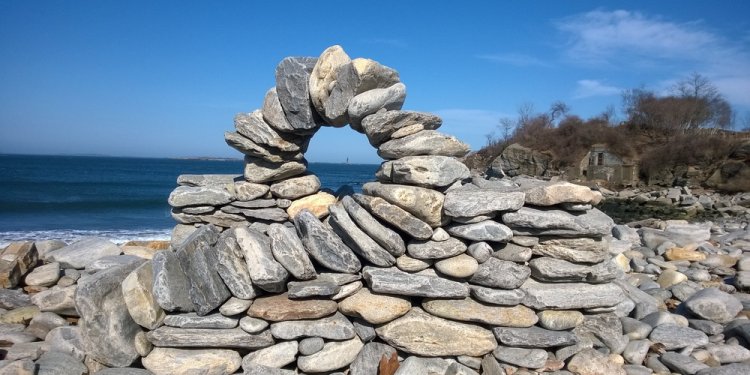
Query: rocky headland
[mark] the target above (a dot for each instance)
(427, 271)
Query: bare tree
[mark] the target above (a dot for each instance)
(707, 107)
(507, 125)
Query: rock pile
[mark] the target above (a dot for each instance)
(684, 198)
(449, 275)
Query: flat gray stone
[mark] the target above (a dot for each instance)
(435, 249)
(732, 369)
(726, 353)
(234, 338)
(265, 272)
(393, 281)
(288, 250)
(59, 300)
(673, 336)
(235, 306)
(356, 239)
(46, 275)
(570, 296)
(292, 89)
(56, 363)
(550, 222)
(66, 339)
(259, 170)
(496, 273)
(380, 126)
(199, 196)
(557, 270)
(254, 127)
(528, 358)
(44, 322)
(469, 310)
(487, 230)
(248, 147)
(268, 214)
(232, 266)
(533, 337)
(395, 216)
(387, 238)
(334, 327)
(426, 171)
(636, 350)
(681, 363)
(296, 187)
(371, 101)
(481, 251)
(171, 285)
(199, 262)
(424, 204)
(512, 252)
(324, 245)
(605, 327)
(369, 357)
(714, 305)
(354, 78)
(423, 334)
(310, 345)
(579, 250)
(167, 361)
(334, 355)
(192, 320)
(206, 179)
(111, 261)
(312, 288)
(107, 329)
(476, 202)
(253, 325)
(273, 114)
(502, 297)
(426, 142)
(80, 254)
(276, 356)
(13, 298)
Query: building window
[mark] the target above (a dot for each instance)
(600, 159)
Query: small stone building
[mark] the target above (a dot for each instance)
(602, 164)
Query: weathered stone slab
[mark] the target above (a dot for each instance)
(60, 300)
(268, 214)
(369, 357)
(394, 281)
(425, 204)
(247, 191)
(435, 249)
(395, 216)
(570, 296)
(426, 171)
(334, 355)
(317, 204)
(54, 363)
(292, 88)
(199, 196)
(199, 262)
(296, 187)
(487, 230)
(312, 288)
(323, 78)
(423, 334)
(170, 287)
(380, 126)
(426, 142)
(79, 254)
(356, 239)
(278, 308)
(139, 298)
(235, 338)
(246, 146)
(579, 250)
(192, 320)
(714, 305)
(265, 272)
(324, 245)
(500, 297)
(673, 336)
(469, 310)
(371, 101)
(557, 271)
(387, 238)
(534, 337)
(354, 78)
(259, 171)
(169, 361)
(561, 192)
(550, 222)
(232, 266)
(273, 114)
(252, 126)
(107, 329)
(288, 250)
(374, 308)
(476, 202)
(334, 327)
(528, 358)
(276, 356)
(46, 275)
(496, 273)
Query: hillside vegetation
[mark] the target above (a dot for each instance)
(687, 128)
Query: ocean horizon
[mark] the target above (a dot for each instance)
(68, 197)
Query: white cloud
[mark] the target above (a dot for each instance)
(633, 40)
(470, 125)
(517, 59)
(587, 88)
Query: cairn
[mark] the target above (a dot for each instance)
(426, 271)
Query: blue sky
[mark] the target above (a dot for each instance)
(145, 78)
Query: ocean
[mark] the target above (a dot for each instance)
(122, 199)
